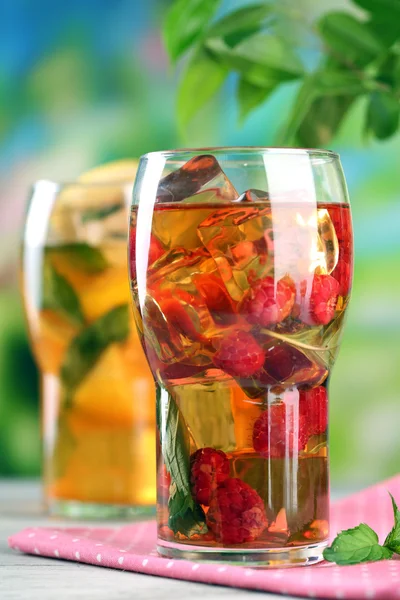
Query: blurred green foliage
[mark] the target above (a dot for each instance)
(359, 56)
(84, 83)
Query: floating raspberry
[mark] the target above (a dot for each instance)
(282, 362)
(276, 433)
(209, 468)
(269, 302)
(314, 407)
(323, 299)
(236, 514)
(343, 274)
(239, 354)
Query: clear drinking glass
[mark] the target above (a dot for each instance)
(241, 267)
(98, 414)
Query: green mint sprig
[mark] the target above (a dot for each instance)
(361, 544)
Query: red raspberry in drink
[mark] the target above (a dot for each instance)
(209, 468)
(269, 302)
(239, 354)
(277, 434)
(343, 274)
(237, 513)
(314, 408)
(323, 299)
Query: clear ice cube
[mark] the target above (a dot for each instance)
(253, 196)
(201, 179)
(239, 241)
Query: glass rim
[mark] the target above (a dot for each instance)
(317, 152)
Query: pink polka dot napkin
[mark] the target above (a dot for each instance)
(132, 548)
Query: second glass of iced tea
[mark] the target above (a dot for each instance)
(98, 413)
(241, 267)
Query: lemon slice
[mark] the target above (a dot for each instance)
(114, 172)
(104, 188)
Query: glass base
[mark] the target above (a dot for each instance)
(258, 557)
(75, 509)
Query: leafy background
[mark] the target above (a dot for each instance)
(86, 82)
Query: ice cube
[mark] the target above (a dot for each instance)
(202, 176)
(253, 196)
(237, 239)
(304, 241)
(194, 277)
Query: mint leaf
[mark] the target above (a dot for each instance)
(250, 96)
(262, 59)
(240, 23)
(201, 80)
(82, 256)
(185, 23)
(348, 39)
(323, 120)
(98, 214)
(87, 347)
(381, 7)
(393, 539)
(185, 516)
(356, 545)
(383, 114)
(60, 296)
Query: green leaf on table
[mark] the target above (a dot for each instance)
(185, 516)
(356, 545)
(60, 296)
(382, 116)
(82, 256)
(88, 346)
(240, 23)
(393, 539)
(201, 80)
(262, 59)
(185, 23)
(349, 40)
(250, 96)
(98, 214)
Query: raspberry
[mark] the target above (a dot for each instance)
(209, 468)
(343, 274)
(314, 407)
(237, 513)
(239, 354)
(323, 299)
(275, 433)
(283, 362)
(268, 302)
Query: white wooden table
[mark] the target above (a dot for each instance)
(25, 577)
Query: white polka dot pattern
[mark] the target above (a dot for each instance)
(132, 548)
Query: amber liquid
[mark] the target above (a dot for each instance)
(202, 265)
(99, 441)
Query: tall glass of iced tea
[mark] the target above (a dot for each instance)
(241, 267)
(98, 413)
